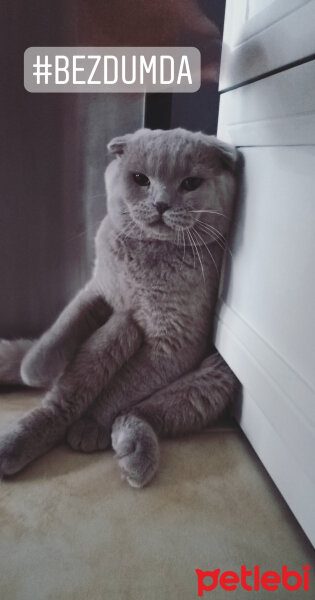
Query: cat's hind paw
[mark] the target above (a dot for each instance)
(88, 435)
(137, 449)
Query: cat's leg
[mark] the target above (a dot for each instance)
(49, 355)
(145, 373)
(187, 405)
(95, 363)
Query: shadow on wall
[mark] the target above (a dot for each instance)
(236, 231)
(53, 147)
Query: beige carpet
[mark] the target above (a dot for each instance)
(71, 529)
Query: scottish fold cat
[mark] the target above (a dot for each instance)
(130, 358)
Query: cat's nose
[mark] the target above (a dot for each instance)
(161, 207)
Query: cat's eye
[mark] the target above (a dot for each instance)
(191, 183)
(141, 179)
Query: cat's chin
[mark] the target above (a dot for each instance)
(156, 229)
(159, 231)
(158, 226)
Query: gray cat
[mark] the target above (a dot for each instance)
(129, 359)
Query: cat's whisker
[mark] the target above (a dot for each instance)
(221, 244)
(214, 212)
(208, 250)
(96, 196)
(119, 234)
(212, 235)
(125, 231)
(184, 243)
(133, 229)
(219, 236)
(89, 232)
(201, 265)
(197, 253)
(78, 235)
(89, 236)
(213, 228)
(192, 245)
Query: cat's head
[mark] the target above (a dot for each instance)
(171, 185)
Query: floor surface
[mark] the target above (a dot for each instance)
(72, 529)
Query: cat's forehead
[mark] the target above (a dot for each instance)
(169, 154)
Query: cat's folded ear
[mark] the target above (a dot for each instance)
(119, 144)
(230, 157)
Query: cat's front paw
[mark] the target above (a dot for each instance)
(88, 435)
(137, 449)
(34, 371)
(14, 452)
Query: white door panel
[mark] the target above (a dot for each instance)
(260, 39)
(254, 7)
(270, 283)
(278, 110)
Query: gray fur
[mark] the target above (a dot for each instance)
(131, 353)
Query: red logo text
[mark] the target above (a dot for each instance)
(253, 579)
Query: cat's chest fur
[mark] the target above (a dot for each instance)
(160, 283)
